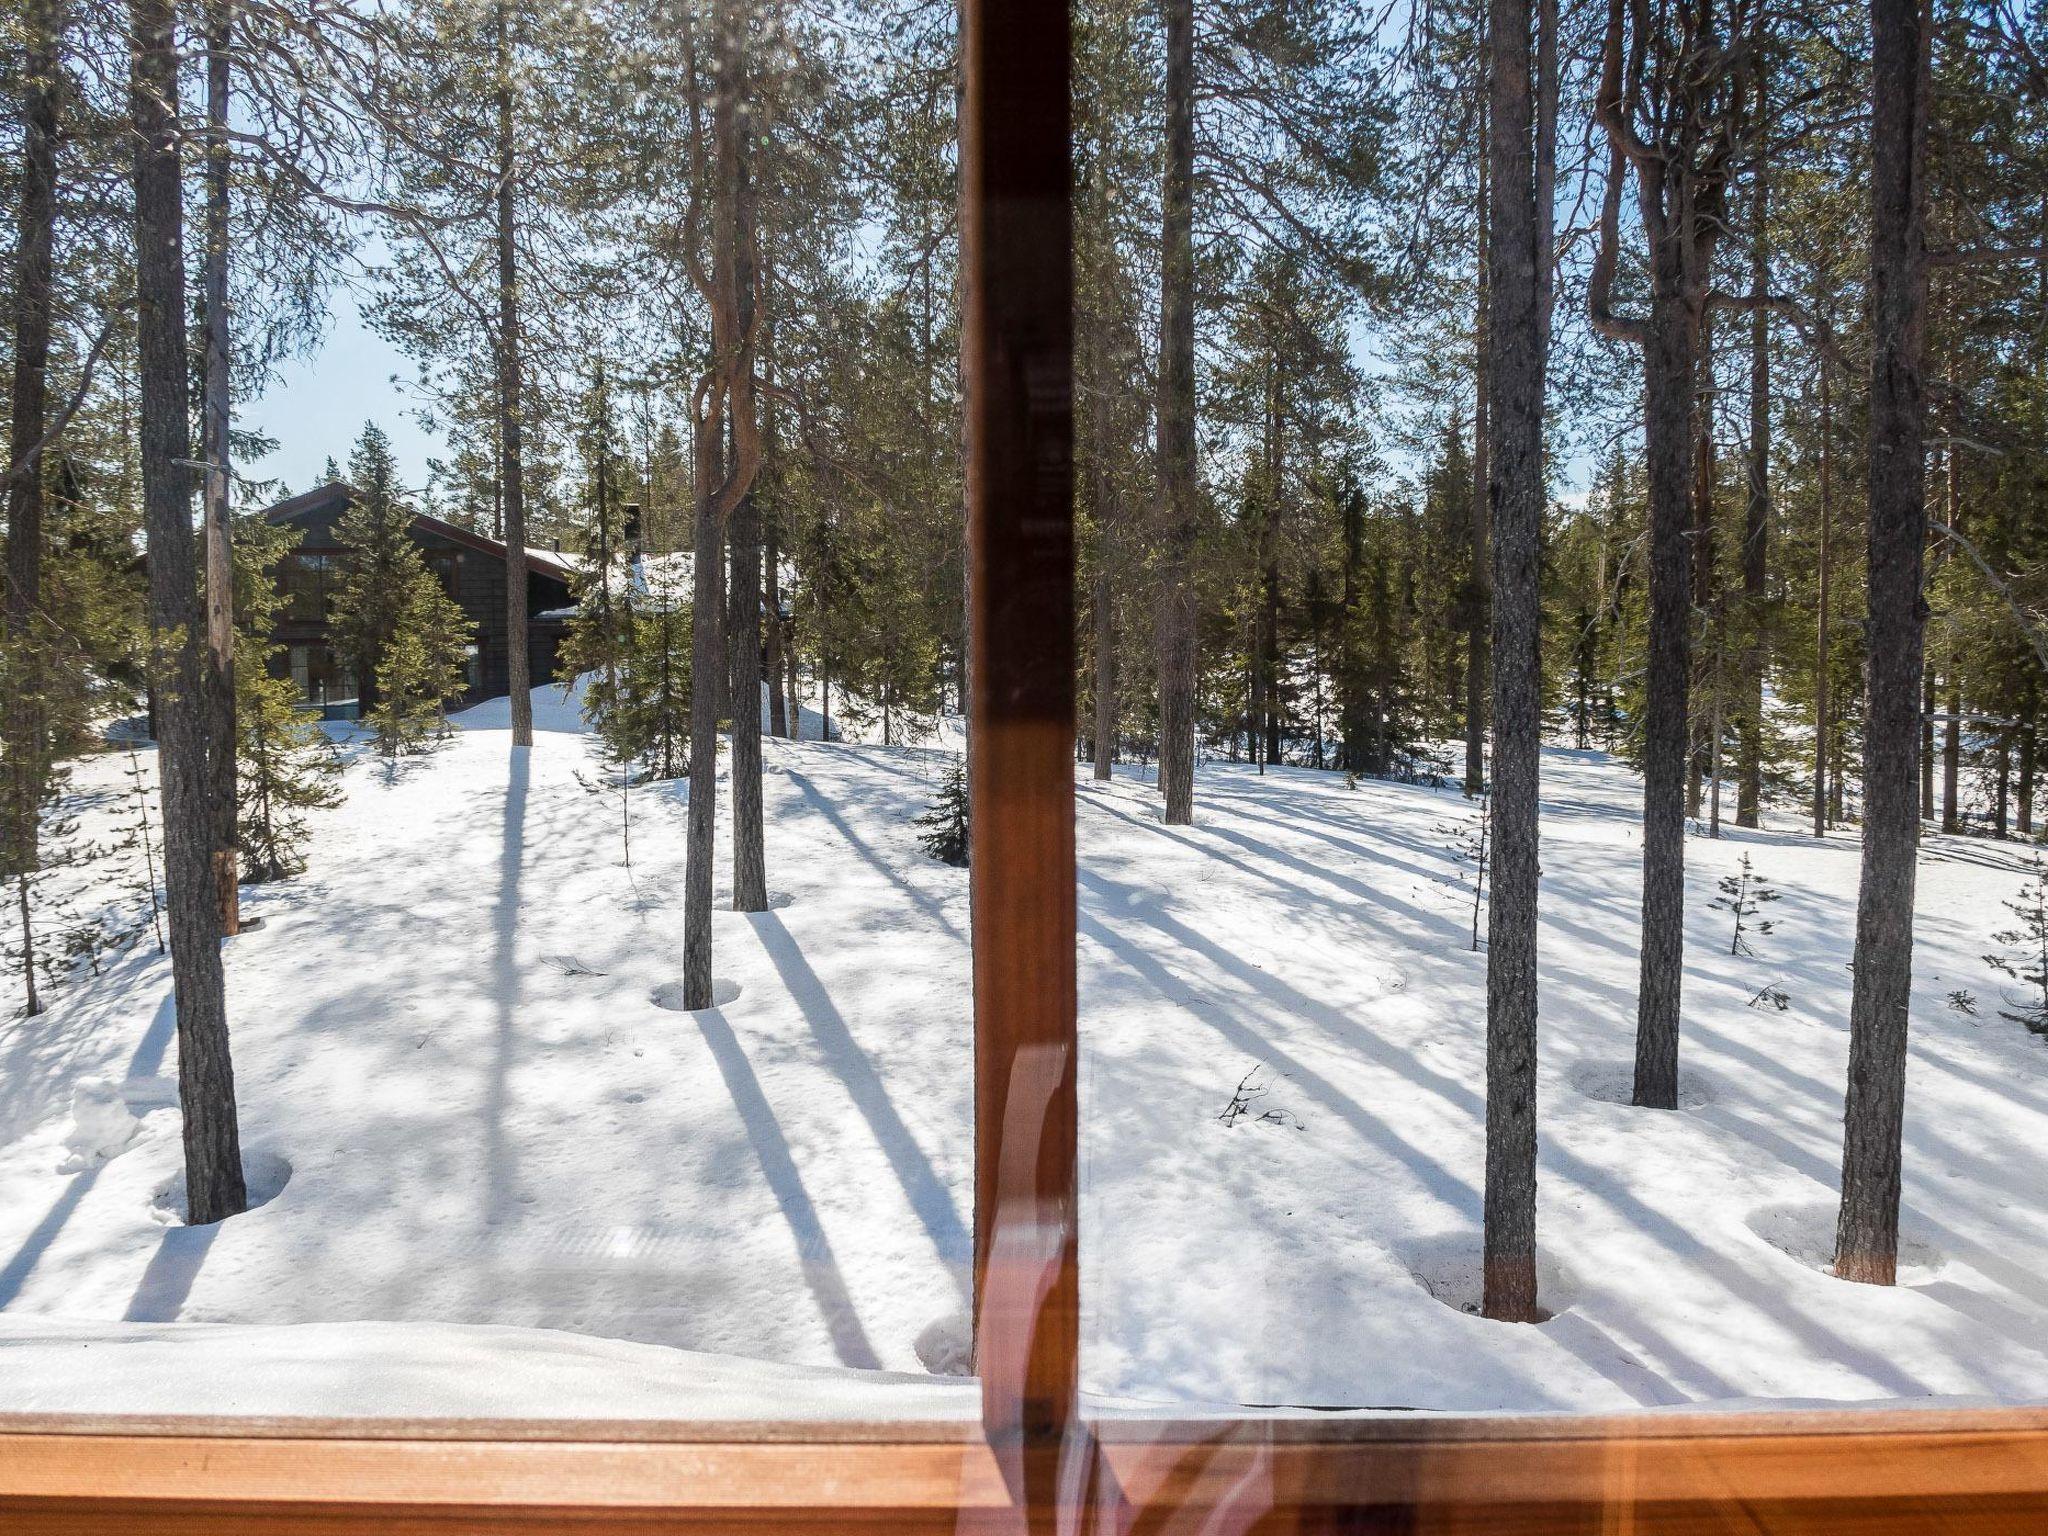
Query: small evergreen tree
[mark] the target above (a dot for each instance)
(75, 661)
(945, 835)
(1470, 844)
(1743, 896)
(602, 583)
(2027, 944)
(421, 668)
(138, 836)
(26, 949)
(641, 714)
(378, 571)
(287, 768)
(285, 765)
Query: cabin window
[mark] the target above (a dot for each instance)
(308, 579)
(446, 565)
(325, 682)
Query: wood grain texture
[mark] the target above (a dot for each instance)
(1279, 1475)
(1017, 298)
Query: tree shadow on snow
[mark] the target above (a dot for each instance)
(926, 1191)
(778, 1165)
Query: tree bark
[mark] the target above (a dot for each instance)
(213, 450)
(1867, 1232)
(1516, 348)
(1927, 752)
(707, 663)
(2024, 790)
(780, 720)
(206, 1079)
(1952, 749)
(1101, 604)
(1351, 722)
(725, 400)
(511, 466)
(1669, 403)
(1823, 669)
(1756, 522)
(21, 723)
(1479, 583)
(749, 856)
(2001, 801)
(779, 717)
(1175, 623)
(743, 590)
(1704, 568)
(1266, 666)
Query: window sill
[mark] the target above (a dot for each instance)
(1796, 1471)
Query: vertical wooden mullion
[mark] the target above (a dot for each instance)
(1017, 353)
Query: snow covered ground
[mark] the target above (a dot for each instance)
(505, 1177)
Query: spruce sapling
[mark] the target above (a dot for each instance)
(945, 834)
(1468, 844)
(1744, 894)
(2025, 957)
(138, 837)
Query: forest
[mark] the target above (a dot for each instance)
(1465, 398)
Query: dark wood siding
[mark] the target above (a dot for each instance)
(473, 576)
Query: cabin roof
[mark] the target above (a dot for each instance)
(336, 494)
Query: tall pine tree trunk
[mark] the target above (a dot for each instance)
(1704, 568)
(2024, 791)
(707, 663)
(21, 723)
(1927, 752)
(1266, 664)
(1867, 1233)
(779, 717)
(1952, 748)
(1756, 522)
(1350, 685)
(206, 1078)
(1480, 581)
(743, 590)
(1516, 348)
(1175, 621)
(1823, 667)
(213, 450)
(1667, 422)
(743, 609)
(511, 465)
(1101, 604)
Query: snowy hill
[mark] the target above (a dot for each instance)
(479, 1121)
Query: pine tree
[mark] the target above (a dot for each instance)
(420, 668)
(2026, 959)
(380, 565)
(138, 837)
(284, 764)
(287, 768)
(946, 823)
(1743, 896)
(644, 718)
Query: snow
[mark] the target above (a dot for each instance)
(501, 1172)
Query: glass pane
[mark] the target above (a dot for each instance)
(547, 1104)
(1371, 592)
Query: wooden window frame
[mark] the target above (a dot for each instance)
(1032, 1461)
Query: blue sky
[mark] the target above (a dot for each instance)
(317, 406)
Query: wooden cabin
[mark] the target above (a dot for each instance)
(472, 571)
